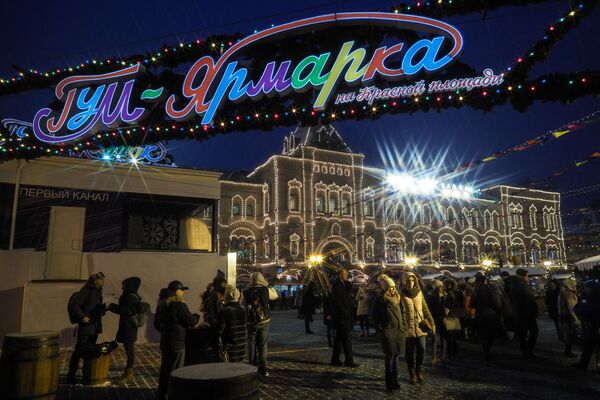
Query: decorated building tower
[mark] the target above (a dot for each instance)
(318, 197)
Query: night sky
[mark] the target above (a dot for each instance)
(48, 35)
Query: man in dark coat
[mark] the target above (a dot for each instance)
(343, 320)
(129, 304)
(257, 296)
(390, 317)
(309, 300)
(174, 319)
(488, 310)
(587, 310)
(232, 325)
(525, 312)
(87, 307)
(551, 300)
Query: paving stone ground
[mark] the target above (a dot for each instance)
(299, 369)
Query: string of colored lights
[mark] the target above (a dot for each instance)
(173, 55)
(581, 191)
(546, 88)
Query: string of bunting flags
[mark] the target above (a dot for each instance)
(546, 138)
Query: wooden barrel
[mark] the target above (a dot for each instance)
(30, 365)
(215, 381)
(95, 370)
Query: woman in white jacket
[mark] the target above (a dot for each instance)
(362, 311)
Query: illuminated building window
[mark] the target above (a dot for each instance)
(320, 202)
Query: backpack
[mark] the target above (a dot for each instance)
(141, 315)
(70, 308)
(256, 310)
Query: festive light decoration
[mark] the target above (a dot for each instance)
(520, 94)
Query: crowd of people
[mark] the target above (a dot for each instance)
(404, 313)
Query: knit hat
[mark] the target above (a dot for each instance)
(436, 284)
(232, 294)
(386, 282)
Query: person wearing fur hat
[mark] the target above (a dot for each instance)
(419, 322)
(390, 317)
(232, 325)
(87, 308)
(129, 304)
(567, 320)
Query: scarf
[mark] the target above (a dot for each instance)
(411, 292)
(391, 300)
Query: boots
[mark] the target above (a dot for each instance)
(420, 375)
(127, 375)
(412, 376)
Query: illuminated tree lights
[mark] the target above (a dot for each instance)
(173, 55)
(273, 112)
(556, 87)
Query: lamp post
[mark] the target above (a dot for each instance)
(411, 261)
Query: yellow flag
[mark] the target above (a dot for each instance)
(559, 133)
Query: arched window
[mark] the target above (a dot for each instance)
(394, 249)
(346, 209)
(515, 216)
(488, 223)
(492, 246)
(236, 206)
(426, 215)
(533, 217)
(447, 249)
(294, 245)
(369, 205)
(470, 250)
(495, 220)
(294, 199)
(399, 214)
(465, 219)
(320, 202)
(422, 247)
(370, 248)
(250, 207)
(518, 252)
(451, 217)
(333, 202)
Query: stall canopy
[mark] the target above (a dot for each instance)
(531, 270)
(588, 263)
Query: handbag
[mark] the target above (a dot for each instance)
(452, 324)
(222, 353)
(425, 326)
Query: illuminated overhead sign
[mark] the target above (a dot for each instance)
(110, 100)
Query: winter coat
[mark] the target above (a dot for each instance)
(416, 308)
(567, 320)
(488, 309)
(523, 302)
(128, 305)
(232, 329)
(342, 303)
(89, 303)
(175, 319)
(551, 301)
(363, 301)
(212, 306)
(391, 322)
(309, 301)
(438, 306)
(262, 293)
(587, 310)
(417, 311)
